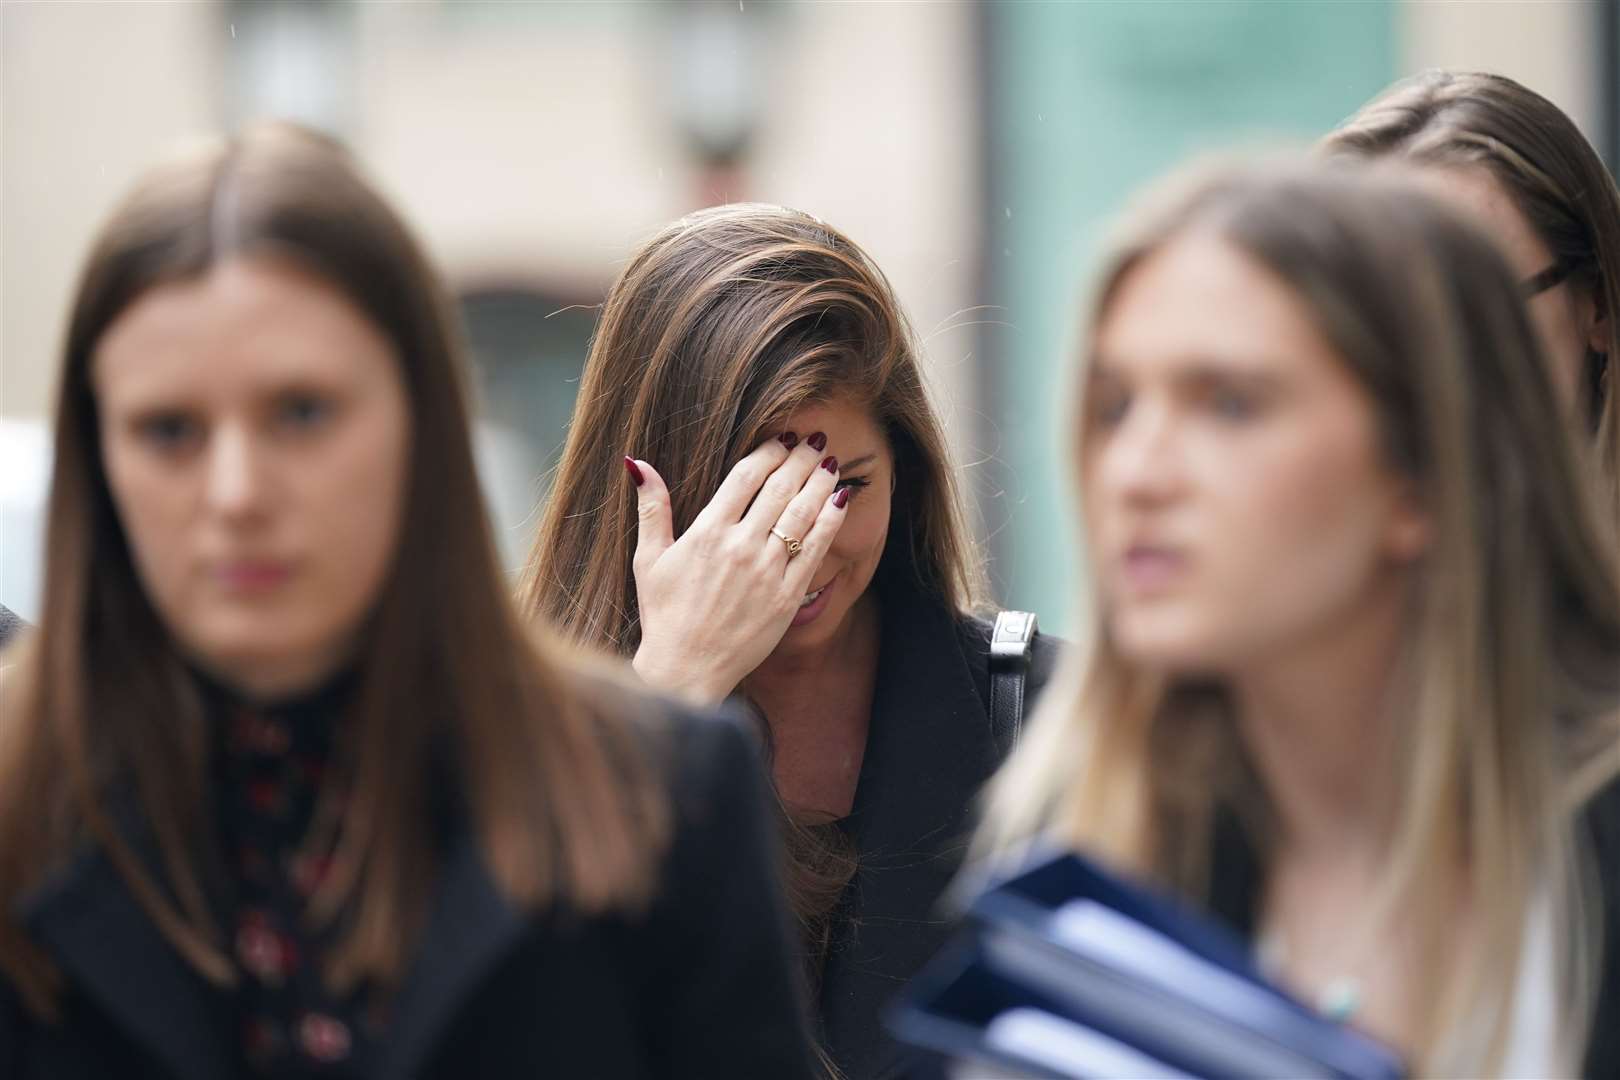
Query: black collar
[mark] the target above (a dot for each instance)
(107, 947)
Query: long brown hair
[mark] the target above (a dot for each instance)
(722, 325)
(450, 685)
(1511, 673)
(1550, 171)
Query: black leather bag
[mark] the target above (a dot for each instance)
(1011, 645)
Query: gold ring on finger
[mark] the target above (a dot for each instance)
(794, 545)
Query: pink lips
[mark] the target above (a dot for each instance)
(1147, 568)
(808, 614)
(248, 575)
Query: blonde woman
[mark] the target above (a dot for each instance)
(1353, 679)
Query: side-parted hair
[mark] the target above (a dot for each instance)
(1552, 173)
(1510, 672)
(722, 325)
(454, 697)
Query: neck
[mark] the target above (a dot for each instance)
(269, 682)
(1318, 721)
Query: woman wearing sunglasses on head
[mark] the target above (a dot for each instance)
(1508, 155)
(285, 790)
(1354, 680)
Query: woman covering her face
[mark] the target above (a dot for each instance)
(284, 788)
(1354, 678)
(1509, 156)
(789, 531)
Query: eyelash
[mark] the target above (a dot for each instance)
(854, 483)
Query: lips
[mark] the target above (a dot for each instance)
(252, 575)
(1148, 568)
(813, 604)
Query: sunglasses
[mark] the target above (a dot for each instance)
(1550, 278)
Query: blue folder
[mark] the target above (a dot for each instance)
(1068, 970)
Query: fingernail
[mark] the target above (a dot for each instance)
(789, 439)
(635, 473)
(818, 442)
(829, 463)
(841, 498)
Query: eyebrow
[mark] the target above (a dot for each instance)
(864, 459)
(1253, 371)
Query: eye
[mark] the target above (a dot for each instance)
(301, 412)
(854, 483)
(1109, 405)
(1231, 403)
(169, 432)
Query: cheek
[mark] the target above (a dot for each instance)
(356, 510)
(866, 530)
(154, 507)
(1304, 532)
(1563, 347)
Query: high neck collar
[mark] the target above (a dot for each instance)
(325, 697)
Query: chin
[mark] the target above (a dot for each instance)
(1169, 644)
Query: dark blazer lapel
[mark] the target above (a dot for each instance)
(929, 751)
(110, 952)
(471, 927)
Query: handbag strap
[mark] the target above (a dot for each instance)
(1010, 649)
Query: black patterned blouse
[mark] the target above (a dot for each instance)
(276, 808)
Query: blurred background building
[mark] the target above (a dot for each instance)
(974, 149)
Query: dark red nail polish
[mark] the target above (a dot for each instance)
(818, 442)
(788, 439)
(829, 463)
(841, 498)
(635, 473)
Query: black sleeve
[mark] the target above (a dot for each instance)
(1602, 822)
(729, 1001)
(11, 1030)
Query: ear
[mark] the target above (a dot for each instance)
(1600, 329)
(1411, 527)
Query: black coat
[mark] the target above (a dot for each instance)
(929, 751)
(1235, 889)
(702, 986)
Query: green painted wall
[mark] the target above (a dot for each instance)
(1088, 100)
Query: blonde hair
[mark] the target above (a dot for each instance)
(1512, 658)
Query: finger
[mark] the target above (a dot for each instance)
(801, 571)
(654, 521)
(799, 516)
(783, 485)
(740, 486)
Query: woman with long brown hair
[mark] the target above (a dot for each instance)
(1505, 153)
(799, 544)
(285, 787)
(1354, 678)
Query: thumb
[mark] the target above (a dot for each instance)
(654, 520)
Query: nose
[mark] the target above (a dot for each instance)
(1140, 461)
(235, 473)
